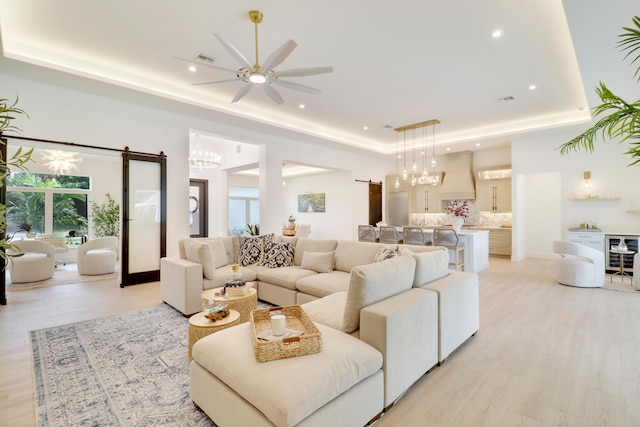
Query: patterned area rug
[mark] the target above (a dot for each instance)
(123, 370)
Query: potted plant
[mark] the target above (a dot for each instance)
(8, 113)
(292, 222)
(106, 218)
(623, 118)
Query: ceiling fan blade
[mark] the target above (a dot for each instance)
(277, 57)
(233, 52)
(206, 64)
(296, 86)
(242, 92)
(210, 82)
(299, 72)
(273, 94)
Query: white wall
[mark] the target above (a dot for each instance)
(335, 222)
(541, 172)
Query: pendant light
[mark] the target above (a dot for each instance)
(434, 179)
(405, 175)
(396, 185)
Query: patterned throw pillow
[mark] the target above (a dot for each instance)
(386, 252)
(252, 249)
(278, 254)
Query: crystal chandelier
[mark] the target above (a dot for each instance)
(203, 159)
(61, 162)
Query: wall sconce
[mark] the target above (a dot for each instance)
(586, 183)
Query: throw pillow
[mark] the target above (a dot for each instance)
(430, 266)
(278, 255)
(386, 252)
(218, 250)
(320, 262)
(252, 249)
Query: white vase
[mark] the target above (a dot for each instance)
(456, 223)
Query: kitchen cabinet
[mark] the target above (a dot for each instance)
(493, 195)
(592, 239)
(499, 240)
(426, 198)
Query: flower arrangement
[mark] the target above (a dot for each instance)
(458, 208)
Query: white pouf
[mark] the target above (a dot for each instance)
(98, 261)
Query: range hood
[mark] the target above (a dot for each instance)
(458, 181)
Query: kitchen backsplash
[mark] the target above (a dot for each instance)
(480, 219)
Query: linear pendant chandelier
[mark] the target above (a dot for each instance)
(424, 178)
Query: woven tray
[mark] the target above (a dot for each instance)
(309, 342)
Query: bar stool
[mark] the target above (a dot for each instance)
(447, 237)
(389, 235)
(413, 236)
(366, 233)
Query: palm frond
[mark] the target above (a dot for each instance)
(630, 42)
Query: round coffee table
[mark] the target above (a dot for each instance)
(200, 326)
(244, 304)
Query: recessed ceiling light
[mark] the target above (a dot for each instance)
(192, 68)
(532, 87)
(301, 106)
(477, 144)
(365, 127)
(496, 34)
(448, 148)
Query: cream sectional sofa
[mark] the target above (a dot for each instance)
(205, 262)
(379, 335)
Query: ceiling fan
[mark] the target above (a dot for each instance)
(262, 75)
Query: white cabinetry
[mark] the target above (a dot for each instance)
(592, 239)
(426, 198)
(493, 195)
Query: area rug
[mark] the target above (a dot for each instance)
(63, 275)
(123, 370)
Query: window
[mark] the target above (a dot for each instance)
(47, 204)
(244, 208)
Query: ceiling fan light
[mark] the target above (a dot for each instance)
(258, 78)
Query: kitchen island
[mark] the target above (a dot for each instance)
(476, 247)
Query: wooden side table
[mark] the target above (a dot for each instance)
(244, 304)
(200, 326)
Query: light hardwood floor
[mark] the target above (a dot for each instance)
(545, 355)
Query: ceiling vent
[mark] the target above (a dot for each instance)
(458, 182)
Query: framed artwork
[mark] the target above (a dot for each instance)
(198, 204)
(311, 202)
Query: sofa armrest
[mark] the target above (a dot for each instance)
(404, 328)
(181, 284)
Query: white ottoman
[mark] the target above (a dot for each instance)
(340, 386)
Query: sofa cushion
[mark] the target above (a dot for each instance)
(305, 244)
(350, 253)
(287, 391)
(328, 310)
(386, 252)
(320, 262)
(277, 254)
(430, 266)
(199, 252)
(323, 284)
(217, 250)
(374, 282)
(285, 277)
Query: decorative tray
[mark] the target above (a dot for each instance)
(309, 342)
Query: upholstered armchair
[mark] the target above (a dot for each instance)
(37, 263)
(579, 265)
(98, 256)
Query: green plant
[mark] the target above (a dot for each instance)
(9, 112)
(253, 229)
(106, 218)
(623, 119)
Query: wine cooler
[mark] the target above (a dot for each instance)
(612, 260)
